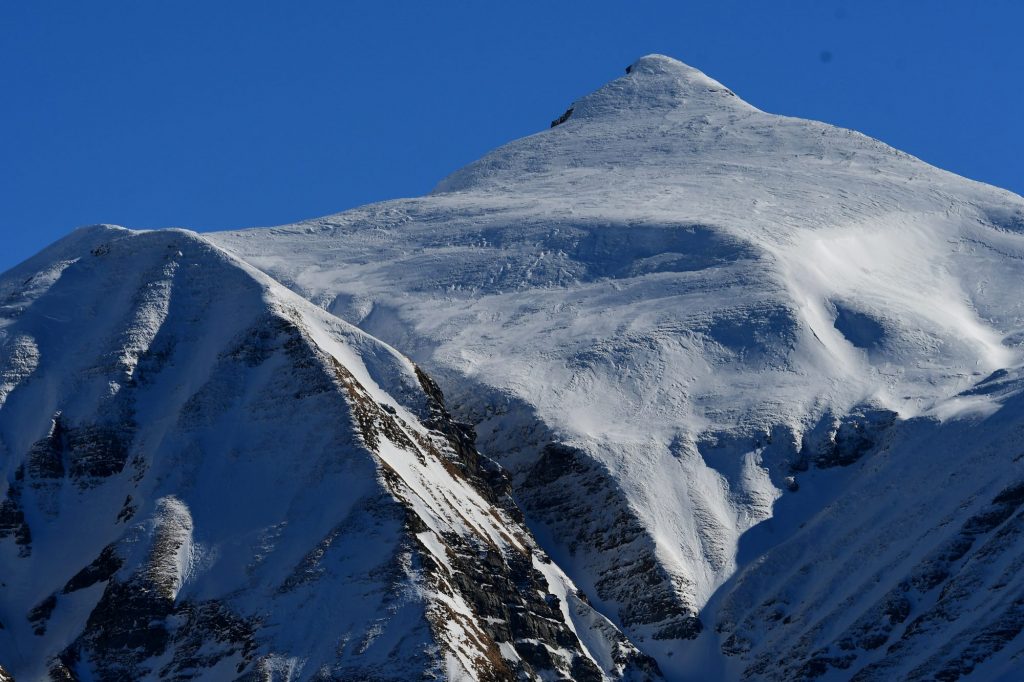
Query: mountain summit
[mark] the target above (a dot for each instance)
(658, 98)
(675, 389)
(657, 84)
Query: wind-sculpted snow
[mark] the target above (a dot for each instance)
(688, 294)
(907, 567)
(206, 479)
(753, 383)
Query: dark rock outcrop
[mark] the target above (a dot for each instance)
(564, 490)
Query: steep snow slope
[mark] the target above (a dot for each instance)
(661, 312)
(906, 568)
(756, 381)
(206, 477)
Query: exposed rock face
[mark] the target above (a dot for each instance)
(841, 441)
(632, 580)
(12, 516)
(735, 396)
(941, 598)
(168, 521)
(563, 118)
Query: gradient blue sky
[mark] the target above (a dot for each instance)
(213, 115)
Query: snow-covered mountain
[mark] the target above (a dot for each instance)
(753, 383)
(210, 478)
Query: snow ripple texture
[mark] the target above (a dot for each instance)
(755, 379)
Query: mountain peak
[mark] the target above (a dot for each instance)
(655, 83)
(659, 64)
(755, 382)
(658, 101)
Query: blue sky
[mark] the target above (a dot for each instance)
(213, 115)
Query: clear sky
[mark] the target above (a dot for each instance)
(223, 114)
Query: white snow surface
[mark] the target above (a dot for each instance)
(688, 291)
(250, 481)
(669, 269)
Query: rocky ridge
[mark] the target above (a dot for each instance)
(725, 384)
(210, 539)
